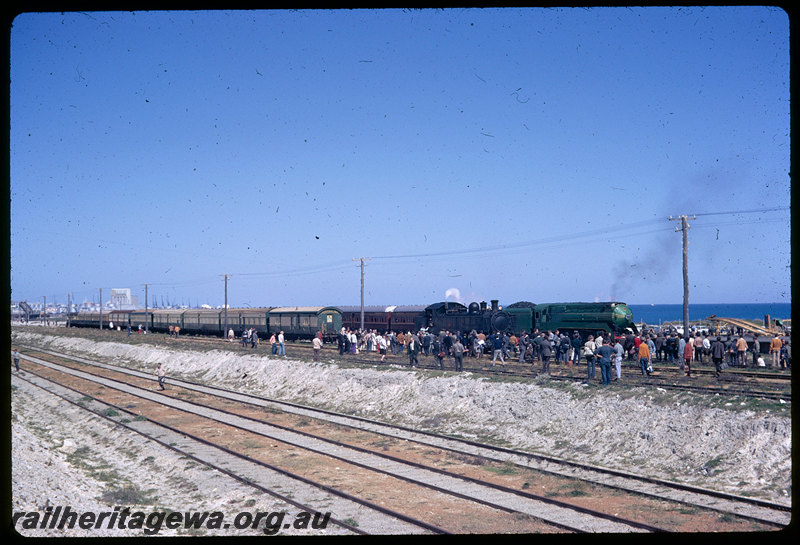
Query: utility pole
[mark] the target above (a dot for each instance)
(145, 308)
(44, 310)
(225, 331)
(101, 308)
(685, 228)
(362, 259)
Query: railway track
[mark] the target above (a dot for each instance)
(461, 482)
(732, 382)
(350, 475)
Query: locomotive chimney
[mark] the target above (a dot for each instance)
(483, 306)
(494, 304)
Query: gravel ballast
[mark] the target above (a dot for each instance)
(701, 440)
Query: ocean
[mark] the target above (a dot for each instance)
(657, 314)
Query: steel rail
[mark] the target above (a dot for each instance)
(235, 454)
(168, 446)
(531, 456)
(550, 501)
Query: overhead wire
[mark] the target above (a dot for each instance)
(589, 236)
(751, 211)
(536, 242)
(561, 239)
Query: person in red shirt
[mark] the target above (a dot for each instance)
(688, 352)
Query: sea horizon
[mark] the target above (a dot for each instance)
(655, 313)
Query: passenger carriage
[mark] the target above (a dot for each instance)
(165, 317)
(202, 322)
(240, 319)
(305, 322)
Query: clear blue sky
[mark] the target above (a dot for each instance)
(511, 154)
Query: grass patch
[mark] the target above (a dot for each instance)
(714, 462)
(128, 495)
(505, 469)
(106, 476)
(467, 459)
(79, 456)
(382, 443)
(251, 443)
(575, 492)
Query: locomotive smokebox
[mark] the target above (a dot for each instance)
(495, 305)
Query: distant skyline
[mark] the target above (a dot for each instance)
(515, 154)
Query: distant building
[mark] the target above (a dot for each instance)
(121, 299)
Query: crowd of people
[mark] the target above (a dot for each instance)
(250, 339)
(595, 351)
(599, 350)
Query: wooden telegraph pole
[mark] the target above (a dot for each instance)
(362, 259)
(225, 331)
(685, 228)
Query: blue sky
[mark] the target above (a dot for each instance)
(511, 154)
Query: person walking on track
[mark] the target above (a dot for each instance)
(159, 374)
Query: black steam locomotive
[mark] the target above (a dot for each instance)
(452, 316)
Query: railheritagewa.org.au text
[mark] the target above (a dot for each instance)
(122, 518)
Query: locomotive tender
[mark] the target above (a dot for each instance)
(305, 322)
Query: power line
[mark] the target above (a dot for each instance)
(624, 230)
(326, 267)
(554, 239)
(752, 211)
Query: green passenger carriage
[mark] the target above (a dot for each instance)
(305, 322)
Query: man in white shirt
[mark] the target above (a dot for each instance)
(317, 345)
